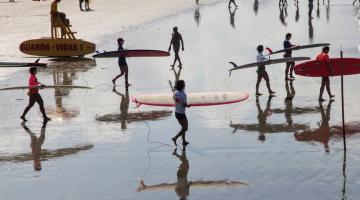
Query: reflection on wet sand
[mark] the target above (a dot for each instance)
(311, 28)
(325, 132)
(297, 13)
(283, 14)
(176, 76)
(197, 14)
(264, 128)
(38, 154)
(182, 186)
(343, 190)
(256, 6)
(64, 72)
(232, 16)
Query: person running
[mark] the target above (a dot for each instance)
(232, 2)
(122, 64)
(262, 74)
(34, 95)
(180, 106)
(288, 54)
(325, 80)
(176, 38)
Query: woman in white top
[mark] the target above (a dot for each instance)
(262, 74)
(180, 106)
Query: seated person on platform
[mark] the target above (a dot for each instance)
(54, 12)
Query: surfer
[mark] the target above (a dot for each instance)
(262, 74)
(289, 65)
(122, 64)
(232, 2)
(180, 106)
(34, 95)
(176, 38)
(325, 80)
(54, 12)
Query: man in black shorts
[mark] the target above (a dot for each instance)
(176, 38)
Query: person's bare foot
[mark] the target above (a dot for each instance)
(331, 96)
(46, 118)
(258, 94)
(185, 143)
(174, 140)
(321, 100)
(113, 81)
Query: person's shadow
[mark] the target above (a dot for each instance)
(256, 6)
(124, 106)
(36, 143)
(290, 94)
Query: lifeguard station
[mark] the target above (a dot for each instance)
(62, 42)
(61, 29)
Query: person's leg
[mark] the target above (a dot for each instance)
(40, 101)
(118, 76)
(327, 84)
(259, 77)
(80, 4)
(322, 89)
(126, 72)
(184, 128)
(31, 104)
(266, 77)
(287, 71)
(292, 65)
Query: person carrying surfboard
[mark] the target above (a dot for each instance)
(176, 38)
(34, 95)
(288, 54)
(325, 80)
(180, 107)
(262, 74)
(122, 64)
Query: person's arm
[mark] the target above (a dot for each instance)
(171, 42)
(185, 104)
(182, 42)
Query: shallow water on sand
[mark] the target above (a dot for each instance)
(275, 149)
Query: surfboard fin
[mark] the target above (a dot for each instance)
(37, 60)
(234, 66)
(269, 50)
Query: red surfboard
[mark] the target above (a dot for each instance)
(132, 53)
(319, 68)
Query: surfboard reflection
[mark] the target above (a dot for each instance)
(183, 185)
(325, 132)
(38, 154)
(125, 117)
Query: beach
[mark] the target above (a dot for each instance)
(90, 152)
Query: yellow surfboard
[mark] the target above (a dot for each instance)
(57, 47)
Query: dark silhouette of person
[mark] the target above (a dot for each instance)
(297, 13)
(232, 17)
(311, 28)
(122, 64)
(283, 14)
(356, 1)
(124, 106)
(328, 10)
(322, 134)
(87, 5)
(177, 77)
(282, 2)
(318, 9)
(176, 38)
(261, 72)
(34, 95)
(182, 187)
(288, 54)
(290, 94)
(197, 16)
(232, 2)
(80, 4)
(36, 143)
(256, 6)
(262, 117)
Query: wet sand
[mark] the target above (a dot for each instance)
(293, 151)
